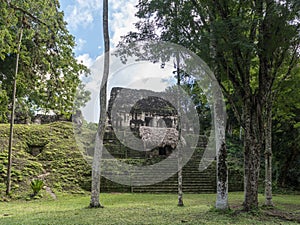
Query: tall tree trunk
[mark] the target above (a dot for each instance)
(11, 133)
(219, 126)
(268, 155)
(253, 144)
(222, 171)
(180, 191)
(179, 158)
(96, 167)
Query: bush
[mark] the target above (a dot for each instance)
(36, 185)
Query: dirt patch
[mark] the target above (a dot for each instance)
(290, 212)
(288, 216)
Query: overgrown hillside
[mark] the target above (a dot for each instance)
(46, 150)
(50, 152)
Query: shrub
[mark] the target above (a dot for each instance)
(36, 185)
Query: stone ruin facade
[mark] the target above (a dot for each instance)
(38, 119)
(150, 111)
(141, 108)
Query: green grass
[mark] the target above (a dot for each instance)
(143, 209)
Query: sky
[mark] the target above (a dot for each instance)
(84, 18)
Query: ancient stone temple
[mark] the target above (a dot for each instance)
(145, 114)
(139, 108)
(152, 120)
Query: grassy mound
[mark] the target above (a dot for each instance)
(48, 151)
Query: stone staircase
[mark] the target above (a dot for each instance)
(194, 181)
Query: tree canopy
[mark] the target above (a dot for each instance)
(48, 71)
(250, 45)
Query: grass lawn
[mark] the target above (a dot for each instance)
(140, 209)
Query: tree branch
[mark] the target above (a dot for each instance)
(24, 11)
(291, 65)
(232, 103)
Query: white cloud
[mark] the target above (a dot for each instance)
(85, 59)
(82, 13)
(96, 4)
(121, 19)
(80, 44)
(135, 75)
(78, 17)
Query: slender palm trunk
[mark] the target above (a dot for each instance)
(11, 132)
(179, 145)
(222, 171)
(221, 151)
(96, 167)
(268, 155)
(180, 191)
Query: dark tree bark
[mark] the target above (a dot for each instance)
(253, 143)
